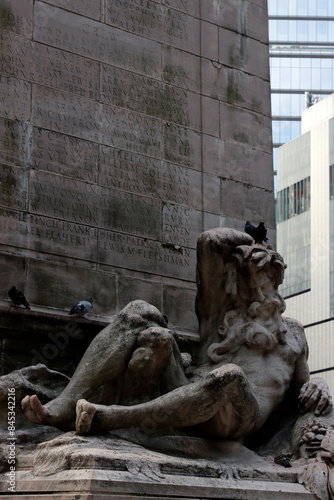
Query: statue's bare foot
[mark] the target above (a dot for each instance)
(34, 410)
(85, 414)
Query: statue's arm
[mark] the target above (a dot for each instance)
(314, 393)
(214, 248)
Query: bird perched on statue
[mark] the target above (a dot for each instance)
(18, 298)
(82, 307)
(259, 233)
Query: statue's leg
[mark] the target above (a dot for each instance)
(224, 393)
(106, 357)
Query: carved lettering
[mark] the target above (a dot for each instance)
(98, 41)
(146, 255)
(143, 175)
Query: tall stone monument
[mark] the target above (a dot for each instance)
(127, 129)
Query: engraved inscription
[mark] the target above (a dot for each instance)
(182, 145)
(13, 187)
(181, 225)
(96, 206)
(14, 98)
(11, 141)
(62, 237)
(145, 176)
(13, 227)
(63, 154)
(146, 255)
(154, 20)
(146, 95)
(48, 66)
(98, 41)
(16, 17)
(91, 120)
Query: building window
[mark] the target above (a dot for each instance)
(295, 199)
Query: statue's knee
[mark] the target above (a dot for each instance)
(153, 353)
(156, 338)
(225, 375)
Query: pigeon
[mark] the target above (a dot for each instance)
(259, 233)
(18, 298)
(82, 307)
(283, 459)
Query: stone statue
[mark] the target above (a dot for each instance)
(251, 360)
(250, 356)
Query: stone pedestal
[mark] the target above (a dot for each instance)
(72, 468)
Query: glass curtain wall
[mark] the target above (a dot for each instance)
(301, 38)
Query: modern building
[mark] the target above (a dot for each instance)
(305, 231)
(301, 37)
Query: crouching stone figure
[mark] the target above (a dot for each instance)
(251, 358)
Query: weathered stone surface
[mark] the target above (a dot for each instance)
(17, 17)
(237, 51)
(14, 98)
(113, 138)
(239, 200)
(100, 42)
(238, 124)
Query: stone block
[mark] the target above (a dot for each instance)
(191, 7)
(247, 164)
(13, 187)
(150, 97)
(54, 236)
(241, 52)
(210, 116)
(65, 113)
(66, 285)
(182, 146)
(209, 41)
(238, 201)
(157, 22)
(98, 41)
(237, 161)
(87, 8)
(14, 228)
(14, 98)
(130, 288)
(32, 62)
(240, 16)
(181, 225)
(235, 87)
(12, 272)
(248, 128)
(94, 206)
(17, 17)
(12, 148)
(64, 155)
(145, 255)
(181, 68)
(149, 177)
(179, 307)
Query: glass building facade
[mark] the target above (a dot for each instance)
(301, 38)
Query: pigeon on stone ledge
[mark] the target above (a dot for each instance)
(18, 298)
(259, 233)
(82, 307)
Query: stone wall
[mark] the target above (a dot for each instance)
(128, 127)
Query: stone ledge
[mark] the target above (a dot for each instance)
(102, 484)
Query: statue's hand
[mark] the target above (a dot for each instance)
(315, 393)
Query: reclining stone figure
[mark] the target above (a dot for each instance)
(251, 358)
